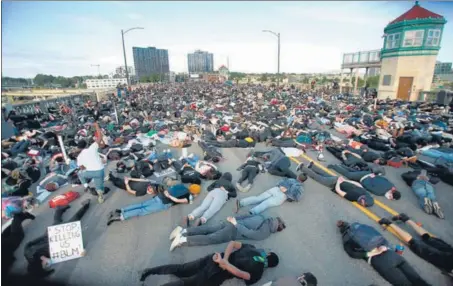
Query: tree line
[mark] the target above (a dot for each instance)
(44, 80)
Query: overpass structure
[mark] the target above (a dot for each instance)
(359, 60)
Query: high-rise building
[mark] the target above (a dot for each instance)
(442, 68)
(150, 60)
(200, 62)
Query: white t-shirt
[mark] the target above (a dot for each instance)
(90, 158)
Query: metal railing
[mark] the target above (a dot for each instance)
(29, 107)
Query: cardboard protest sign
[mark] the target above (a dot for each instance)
(65, 241)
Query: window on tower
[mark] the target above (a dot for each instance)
(393, 41)
(413, 38)
(433, 38)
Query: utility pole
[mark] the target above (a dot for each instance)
(124, 52)
(278, 54)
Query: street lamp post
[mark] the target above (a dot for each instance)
(278, 54)
(124, 52)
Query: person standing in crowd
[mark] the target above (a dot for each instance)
(91, 165)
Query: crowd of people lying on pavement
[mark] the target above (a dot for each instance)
(131, 143)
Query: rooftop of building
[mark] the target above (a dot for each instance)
(416, 13)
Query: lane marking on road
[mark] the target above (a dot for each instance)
(370, 214)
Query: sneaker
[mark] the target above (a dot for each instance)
(299, 167)
(100, 197)
(247, 188)
(178, 241)
(177, 231)
(113, 219)
(437, 211)
(239, 187)
(402, 217)
(310, 164)
(384, 221)
(428, 206)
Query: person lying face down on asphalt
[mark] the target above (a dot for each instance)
(423, 188)
(250, 169)
(219, 193)
(163, 200)
(286, 190)
(350, 190)
(276, 162)
(364, 242)
(36, 251)
(243, 261)
(374, 183)
(432, 249)
(134, 186)
(254, 227)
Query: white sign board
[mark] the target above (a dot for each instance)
(65, 241)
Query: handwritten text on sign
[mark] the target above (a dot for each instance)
(65, 241)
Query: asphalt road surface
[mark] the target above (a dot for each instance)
(311, 241)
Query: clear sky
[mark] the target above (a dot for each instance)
(65, 38)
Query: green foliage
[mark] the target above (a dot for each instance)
(373, 81)
(360, 82)
(264, 77)
(236, 76)
(145, 79)
(306, 80)
(154, 77)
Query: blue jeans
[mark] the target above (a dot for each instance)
(96, 176)
(433, 153)
(192, 161)
(20, 147)
(153, 205)
(423, 190)
(270, 198)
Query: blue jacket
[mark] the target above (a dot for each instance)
(294, 188)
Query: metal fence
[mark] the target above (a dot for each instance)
(29, 107)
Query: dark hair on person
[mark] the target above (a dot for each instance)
(82, 144)
(272, 259)
(396, 195)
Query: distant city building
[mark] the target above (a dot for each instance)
(374, 71)
(224, 72)
(104, 83)
(171, 76)
(121, 71)
(442, 68)
(200, 62)
(150, 60)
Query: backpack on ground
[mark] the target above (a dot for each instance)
(365, 236)
(63, 200)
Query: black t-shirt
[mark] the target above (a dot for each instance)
(352, 191)
(178, 191)
(370, 156)
(140, 188)
(244, 260)
(190, 172)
